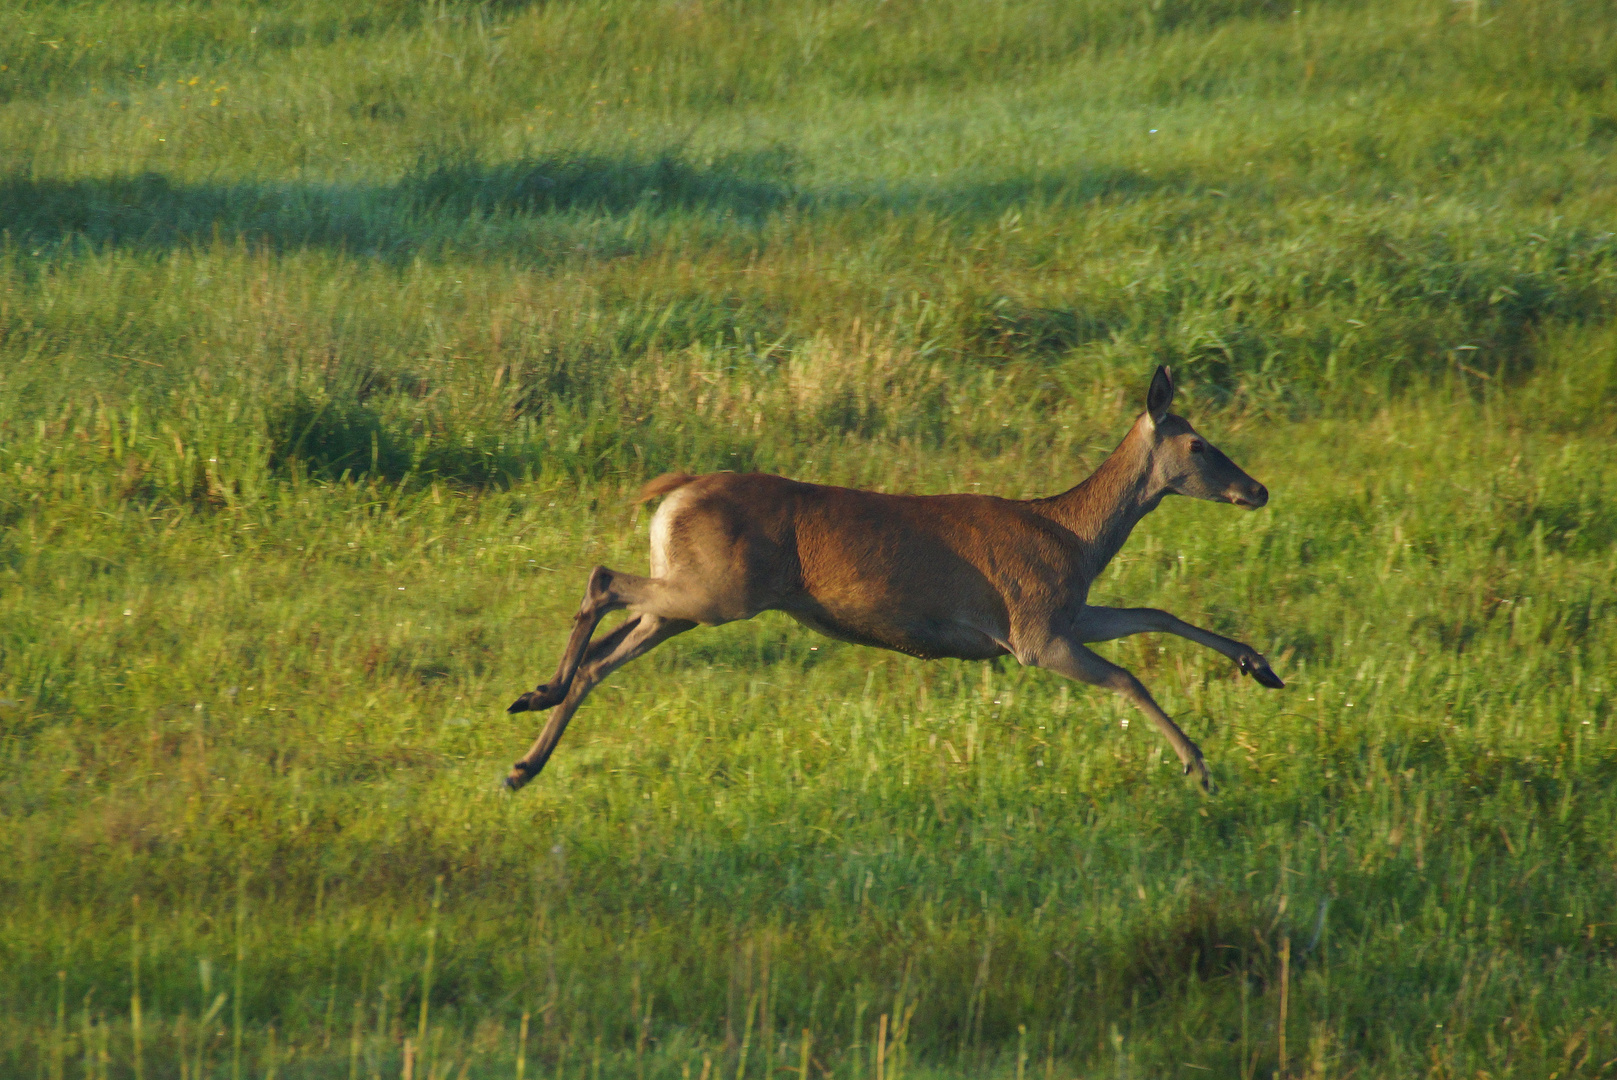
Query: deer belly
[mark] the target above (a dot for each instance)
(924, 638)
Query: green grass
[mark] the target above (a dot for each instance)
(333, 344)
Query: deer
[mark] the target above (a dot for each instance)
(962, 576)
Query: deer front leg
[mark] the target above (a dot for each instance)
(1107, 624)
(1066, 656)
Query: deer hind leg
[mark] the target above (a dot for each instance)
(606, 592)
(1071, 659)
(636, 637)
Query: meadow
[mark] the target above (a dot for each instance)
(335, 341)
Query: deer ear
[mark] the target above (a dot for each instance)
(1160, 396)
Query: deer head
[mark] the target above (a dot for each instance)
(1184, 463)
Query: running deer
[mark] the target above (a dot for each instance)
(970, 577)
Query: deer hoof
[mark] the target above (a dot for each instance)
(518, 777)
(537, 700)
(1261, 672)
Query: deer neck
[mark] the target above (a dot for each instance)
(1104, 509)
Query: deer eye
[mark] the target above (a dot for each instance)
(1197, 446)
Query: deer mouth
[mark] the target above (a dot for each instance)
(1254, 499)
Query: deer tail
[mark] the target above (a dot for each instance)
(663, 485)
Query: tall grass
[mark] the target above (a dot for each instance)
(333, 343)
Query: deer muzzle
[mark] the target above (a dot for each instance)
(1250, 494)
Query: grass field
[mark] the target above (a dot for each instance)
(335, 340)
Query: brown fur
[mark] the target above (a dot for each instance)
(968, 577)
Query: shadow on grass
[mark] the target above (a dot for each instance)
(453, 205)
(424, 210)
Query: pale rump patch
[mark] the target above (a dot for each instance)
(662, 529)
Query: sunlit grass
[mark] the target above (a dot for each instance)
(334, 345)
